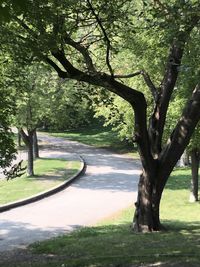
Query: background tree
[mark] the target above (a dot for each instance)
(80, 41)
(30, 106)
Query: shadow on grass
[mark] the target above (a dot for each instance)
(60, 175)
(117, 245)
(111, 245)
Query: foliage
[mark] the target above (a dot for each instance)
(118, 114)
(7, 146)
(30, 100)
(69, 107)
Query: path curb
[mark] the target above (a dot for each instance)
(46, 193)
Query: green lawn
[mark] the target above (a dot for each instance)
(49, 173)
(112, 242)
(100, 137)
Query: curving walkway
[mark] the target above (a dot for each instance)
(109, 184)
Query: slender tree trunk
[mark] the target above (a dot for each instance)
(28, 140)
(35, 145)
(30, 167)
(195, 175)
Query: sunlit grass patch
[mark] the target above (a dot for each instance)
(49, 173)
(99, 137)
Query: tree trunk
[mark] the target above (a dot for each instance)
(35, 145)
(195, 175)
(30, 168)
(147, 213)
(28, 140)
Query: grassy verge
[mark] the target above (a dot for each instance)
(49, 173)
(99, 137)
(112, 242)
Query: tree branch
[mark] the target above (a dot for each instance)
(150, 84)
(61, 73)
(127, 76)
(26, 27)
(180, 137)
(83, 50)
(147, 80)
(173, 62)
(105, 36)
(157, 121)
(71, 70)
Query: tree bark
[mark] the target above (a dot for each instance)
(195, 175)
(30, 166)
(28, 140)
(147, 212)
(35, 145)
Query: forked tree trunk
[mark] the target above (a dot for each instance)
(35, 145)
(195, 175)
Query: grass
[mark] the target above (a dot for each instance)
(100, 137)
(112, 242)
(49, 173)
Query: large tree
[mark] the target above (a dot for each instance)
(82, 39)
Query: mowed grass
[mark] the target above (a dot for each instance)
(100, 137)
(49, 173)
(113, 243)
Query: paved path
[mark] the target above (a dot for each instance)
(109, 184)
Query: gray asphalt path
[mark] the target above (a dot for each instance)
(109, 184)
